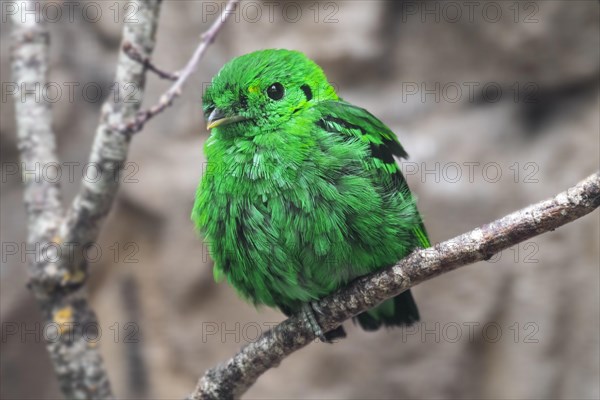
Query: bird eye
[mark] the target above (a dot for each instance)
(276, 91)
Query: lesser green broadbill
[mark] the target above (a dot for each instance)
(301, 192)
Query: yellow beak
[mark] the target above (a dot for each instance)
(217, 118)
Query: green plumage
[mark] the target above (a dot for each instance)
(301, 193)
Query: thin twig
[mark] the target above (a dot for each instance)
(135, 54)
(137, 123)
(232, 378)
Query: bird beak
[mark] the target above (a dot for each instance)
(217, 118)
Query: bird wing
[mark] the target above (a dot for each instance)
(343, 118)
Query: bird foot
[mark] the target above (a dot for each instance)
(308, 310)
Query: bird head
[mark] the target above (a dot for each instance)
(264, 89)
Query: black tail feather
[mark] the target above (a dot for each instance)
(367, 322)
(405, 313)
(335, 334)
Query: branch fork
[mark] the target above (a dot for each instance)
(59, 286)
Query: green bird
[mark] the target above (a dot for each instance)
(301, 193)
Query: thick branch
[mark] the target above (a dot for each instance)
(233, 378)
(59, 284)
(36, 141)
(65, 311)
(137, 123)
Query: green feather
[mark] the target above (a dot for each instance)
(302, 193)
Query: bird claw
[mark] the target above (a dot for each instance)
(316, 308)
(308, 310)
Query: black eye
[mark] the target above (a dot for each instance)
(276, 91)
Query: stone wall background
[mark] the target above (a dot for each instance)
(164, 320)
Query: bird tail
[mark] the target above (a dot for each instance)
(399, 311)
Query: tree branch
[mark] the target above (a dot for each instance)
(57, 273)
(135, 55)
(36, 141)
(110, 148)
(121, 119)
(137, 123)
(58, 281)
(233, 378)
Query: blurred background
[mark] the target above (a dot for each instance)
(497, 104)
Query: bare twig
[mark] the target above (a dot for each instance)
(135, 54)
(137, 123)
(233, 378)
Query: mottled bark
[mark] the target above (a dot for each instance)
(58, 273)
(36, 142)
(58, 270)
(233, 378)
